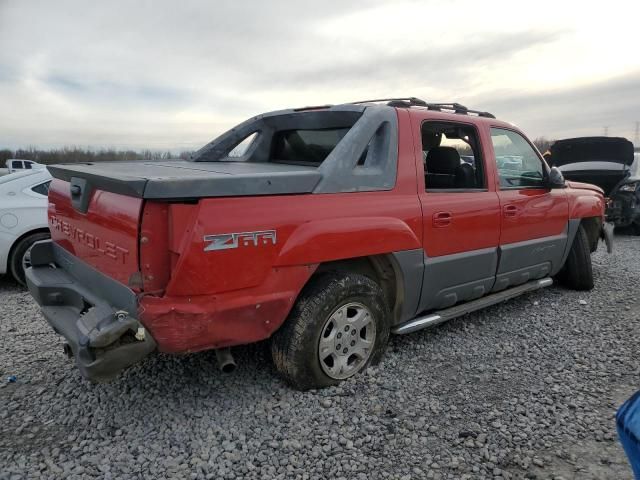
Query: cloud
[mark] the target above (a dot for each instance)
(167, 74)
(110, 91)
(583, 111)
(454, 63)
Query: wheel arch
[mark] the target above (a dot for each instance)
(592, 226)
(396, 273)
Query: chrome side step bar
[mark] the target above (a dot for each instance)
(440, 316)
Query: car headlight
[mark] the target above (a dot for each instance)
(629, 187)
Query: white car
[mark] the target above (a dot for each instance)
(23, 218)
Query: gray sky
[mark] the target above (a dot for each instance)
(173, 75)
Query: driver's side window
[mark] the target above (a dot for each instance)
(518, 163)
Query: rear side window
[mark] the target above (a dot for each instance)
(451, 156)
(305, 146)
(242, 148)
(16, 164)
(518, 163)
(299, 137)
(42, 188)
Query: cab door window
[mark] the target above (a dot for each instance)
(451, 156)
(519, 165)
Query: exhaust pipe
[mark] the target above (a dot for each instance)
(226, 363)
(66, 348)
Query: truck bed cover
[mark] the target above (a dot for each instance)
(186, 179)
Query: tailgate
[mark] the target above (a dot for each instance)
(105, 237)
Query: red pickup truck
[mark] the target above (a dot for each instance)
(324, 229)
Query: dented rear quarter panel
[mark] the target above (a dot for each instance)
(341, 226)
(234, 296)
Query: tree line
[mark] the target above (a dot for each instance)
(82, 155)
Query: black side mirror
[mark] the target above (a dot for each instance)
(556, 179)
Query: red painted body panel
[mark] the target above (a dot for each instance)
(155, 256)
(585, 186)
(474, 222)
(585, 203)
(536, 213)
(106, 237)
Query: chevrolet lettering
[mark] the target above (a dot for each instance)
(105, 247)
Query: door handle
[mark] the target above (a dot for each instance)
(510, 210)
(441, 219)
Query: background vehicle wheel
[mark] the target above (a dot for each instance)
(20, 255)
(338, 326)
(577, 272)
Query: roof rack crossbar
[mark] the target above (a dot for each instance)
(457, 108)
(412, 100)
(417, 102)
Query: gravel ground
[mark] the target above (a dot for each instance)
(526, 389)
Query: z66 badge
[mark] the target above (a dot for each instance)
(225, 241)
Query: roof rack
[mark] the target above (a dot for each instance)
(412, 101)
(407, 102)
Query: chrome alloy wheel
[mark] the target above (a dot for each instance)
(347, 340)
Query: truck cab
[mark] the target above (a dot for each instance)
(18, 165)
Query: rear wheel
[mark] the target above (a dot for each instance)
(337, 328)
(577, 272)
(21, 255)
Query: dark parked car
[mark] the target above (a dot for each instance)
(625, 204)
(607, 162)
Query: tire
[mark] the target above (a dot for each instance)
(577, 272)
(322, 324)
(19, 255)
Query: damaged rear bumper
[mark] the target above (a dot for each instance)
(94, 313)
